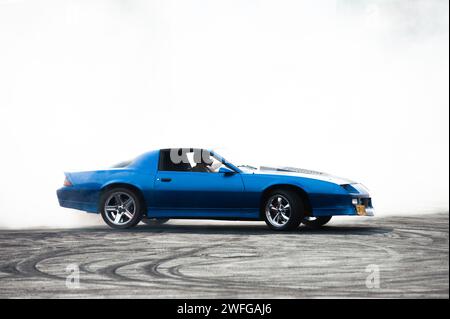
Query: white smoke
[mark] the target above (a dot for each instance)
(358, 89)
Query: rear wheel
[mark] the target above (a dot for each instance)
(154, 221)
(121, 208)
(283, 210)
(315, 222)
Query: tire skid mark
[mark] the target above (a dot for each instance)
(111, 270)
(153, 268)
(413, 257)
(28, 266)
(221, 283)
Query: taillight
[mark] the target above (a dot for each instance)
(67, 182)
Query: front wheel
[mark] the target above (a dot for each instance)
(121, 208)
(315, 222)
(283, 210)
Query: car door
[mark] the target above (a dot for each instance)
(198, 192)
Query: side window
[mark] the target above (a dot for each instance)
(188, 160)
(171, 160)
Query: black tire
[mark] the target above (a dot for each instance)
(125, 194)
(154, 221)
(317, 222)
(296, 211)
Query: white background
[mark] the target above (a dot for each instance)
(354, 88)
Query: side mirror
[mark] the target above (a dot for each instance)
(226, 171)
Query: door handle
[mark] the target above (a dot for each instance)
(165, 179)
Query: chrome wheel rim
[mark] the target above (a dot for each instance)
(278, 210)
(120, 208)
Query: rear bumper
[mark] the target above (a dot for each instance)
(70, 197)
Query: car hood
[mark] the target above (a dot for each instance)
(305, 173)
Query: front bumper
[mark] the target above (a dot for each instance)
(363, 211)
(355, 202)
(363, 206)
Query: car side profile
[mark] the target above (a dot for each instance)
(195, 183)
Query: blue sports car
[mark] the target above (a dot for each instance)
(197, 183)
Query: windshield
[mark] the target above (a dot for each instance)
(247, 167)
(240, 163)
(222, 160)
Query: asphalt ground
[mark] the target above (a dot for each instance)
(351, 257)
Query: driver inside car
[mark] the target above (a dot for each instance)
(202, 166)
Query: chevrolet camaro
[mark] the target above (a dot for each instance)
(195, 183)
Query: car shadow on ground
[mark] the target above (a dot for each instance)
(248, 229)
(257, 228)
